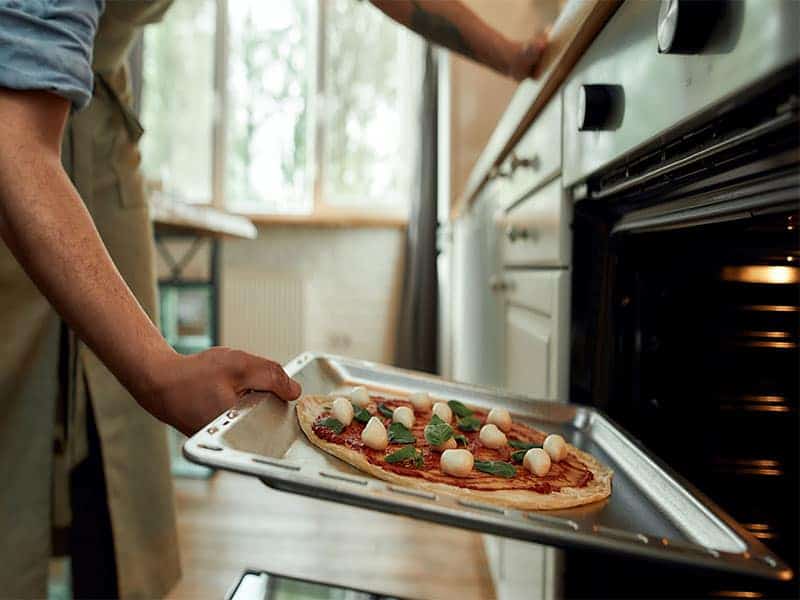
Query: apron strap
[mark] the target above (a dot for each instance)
(132, 124)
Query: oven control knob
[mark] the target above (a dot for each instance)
(595, 107)
(685, 26)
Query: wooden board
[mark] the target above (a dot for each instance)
(229, 523)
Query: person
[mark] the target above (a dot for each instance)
(84, 469)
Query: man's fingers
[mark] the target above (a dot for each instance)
(266, 376)
(538, 46)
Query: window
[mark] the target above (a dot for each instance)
(313, 113)
(367, 90)
(178, 100)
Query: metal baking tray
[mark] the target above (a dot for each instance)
(651, 513)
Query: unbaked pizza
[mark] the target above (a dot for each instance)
(448, 447)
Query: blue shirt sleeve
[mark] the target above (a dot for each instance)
(47, 45)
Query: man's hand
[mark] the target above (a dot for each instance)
(526, 61)
(189, 391)
(47, 227)
(453, 25)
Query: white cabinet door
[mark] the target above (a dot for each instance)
(536, 358)
(527, 352)
(523, 571)
(537, 332)
(477, 311)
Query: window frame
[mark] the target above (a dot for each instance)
(322, 212)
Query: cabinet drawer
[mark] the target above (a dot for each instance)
(536, 157)
(537, 290)
(536, 231)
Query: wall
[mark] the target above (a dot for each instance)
(478, 95)
(300, 288)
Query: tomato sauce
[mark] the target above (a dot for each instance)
(570, 472)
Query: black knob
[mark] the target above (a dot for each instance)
(685, 26)
(599, 107)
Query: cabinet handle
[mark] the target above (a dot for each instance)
(497, 284)
(514, 233)
(497, 173)
(524, 163)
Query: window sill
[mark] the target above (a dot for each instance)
(337, 219)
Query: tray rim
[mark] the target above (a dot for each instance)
(207, 447)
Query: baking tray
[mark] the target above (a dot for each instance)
(652, 512)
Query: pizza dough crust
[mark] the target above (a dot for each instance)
(310, 408)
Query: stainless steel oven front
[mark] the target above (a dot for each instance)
(681, 153)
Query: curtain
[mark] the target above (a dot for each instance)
(417, 327)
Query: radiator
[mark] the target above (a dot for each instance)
(262, 313)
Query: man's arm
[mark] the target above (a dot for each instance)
(451, 24)
(46, 226)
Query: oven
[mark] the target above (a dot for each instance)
(682, 155)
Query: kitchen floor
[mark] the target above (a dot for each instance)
(231, 522)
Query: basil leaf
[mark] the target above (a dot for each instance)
(460, 438)
(518, 455)
(361, 414)
(408, 453)
(496, 467)
(385, 411)
(333, 424)
(522, 445)
(459, 409)
(469, 424)
(399, 434)
(437, 432)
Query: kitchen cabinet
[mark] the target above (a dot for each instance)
(523, 570)
(536, 158)
(527, 336)
(617, 152)
(477, 312)
(536, 229)
(537, 332)
(529, 279)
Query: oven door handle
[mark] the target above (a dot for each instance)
(746, 136)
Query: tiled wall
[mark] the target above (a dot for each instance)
(350, 280)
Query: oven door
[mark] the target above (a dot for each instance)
(685, 313)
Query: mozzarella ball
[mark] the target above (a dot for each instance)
(360, 396)
(555, 446)
(457, 462)
(441, 410)
(342, 411)
(374, 435)
(403, 415)
(492, 437)
(420, 400)
(499, 417)
(537, 461)
(448, 445)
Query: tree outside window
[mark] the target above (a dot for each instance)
(318, 96)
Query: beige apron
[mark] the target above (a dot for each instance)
(101, 156)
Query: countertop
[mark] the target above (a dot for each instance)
(198, 219)
(577, 25)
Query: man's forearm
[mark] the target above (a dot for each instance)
(45, 224)
(451, 24)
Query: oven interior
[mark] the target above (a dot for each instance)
(686, 325)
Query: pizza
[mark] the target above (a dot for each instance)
(448, 447)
